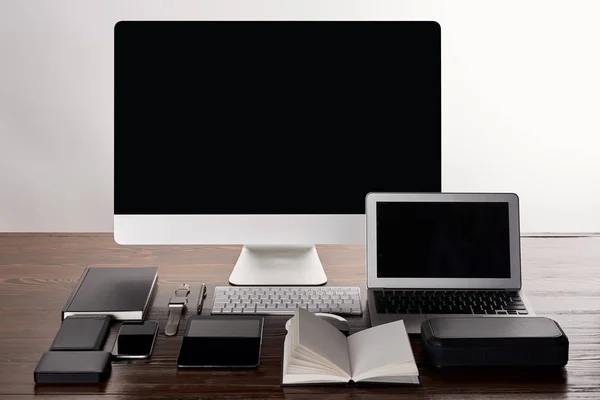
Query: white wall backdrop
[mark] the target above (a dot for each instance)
(521, 101)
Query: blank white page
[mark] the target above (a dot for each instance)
(379, 347)
(322, 339)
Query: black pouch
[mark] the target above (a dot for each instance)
(73, 367)
(82, 333)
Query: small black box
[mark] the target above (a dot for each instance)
(494, 342)
(73, 367)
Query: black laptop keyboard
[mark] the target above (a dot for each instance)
(448, 302)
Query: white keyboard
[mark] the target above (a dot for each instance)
(284, 300)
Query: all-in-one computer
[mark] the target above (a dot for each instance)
(269, 134)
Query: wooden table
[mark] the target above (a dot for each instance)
(38, 271)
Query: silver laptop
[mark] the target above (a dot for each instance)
(443, 254)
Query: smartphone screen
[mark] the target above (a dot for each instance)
(135, 339)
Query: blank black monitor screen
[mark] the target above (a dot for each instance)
(235, 117)
(443, 240)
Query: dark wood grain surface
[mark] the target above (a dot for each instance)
(38, 272)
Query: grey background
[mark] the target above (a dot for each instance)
(520, 101)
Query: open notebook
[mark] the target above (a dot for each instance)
(315, 352)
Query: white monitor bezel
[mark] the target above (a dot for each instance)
(515, 280)
(232, 229)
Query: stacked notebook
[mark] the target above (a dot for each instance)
(315, 352)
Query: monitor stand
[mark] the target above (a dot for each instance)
(268, 265)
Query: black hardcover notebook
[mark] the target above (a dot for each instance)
(122, 293)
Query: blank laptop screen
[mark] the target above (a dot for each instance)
(443, 240)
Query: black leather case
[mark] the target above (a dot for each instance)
(73, 367)
(494, 342)
(82, 333)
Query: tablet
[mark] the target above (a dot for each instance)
(213, 341)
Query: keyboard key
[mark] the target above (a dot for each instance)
(515, 307)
